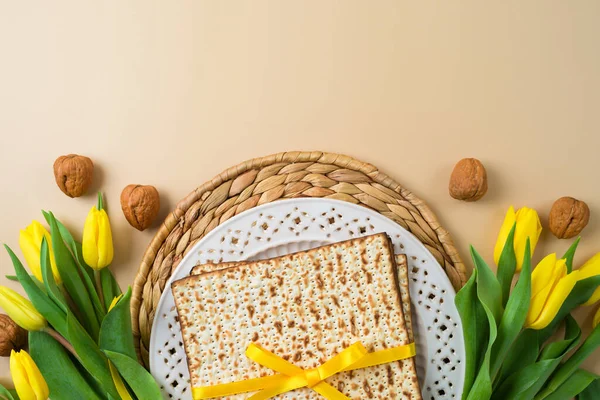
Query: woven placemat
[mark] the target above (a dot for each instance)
(266, 179)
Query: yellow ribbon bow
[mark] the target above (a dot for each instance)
(291, 377)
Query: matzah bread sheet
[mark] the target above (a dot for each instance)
(401, 264)
(304, 307)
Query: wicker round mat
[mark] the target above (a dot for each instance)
(266, 179)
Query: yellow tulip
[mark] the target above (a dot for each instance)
(30, 241)
(591, 268)
(549, 289)
(97, 239)
(28, 379)
(21, 310)
(527, 226)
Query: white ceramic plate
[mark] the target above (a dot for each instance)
(289, 226)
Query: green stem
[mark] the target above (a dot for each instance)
(99, 287)
(60, 339)
(100, 201)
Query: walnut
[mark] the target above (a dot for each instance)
(140, 205)
(73, 174)
(12, 336)
(568, 217)
(468, 181)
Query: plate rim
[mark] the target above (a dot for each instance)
(257, 210)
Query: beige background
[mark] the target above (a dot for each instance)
(171, 93)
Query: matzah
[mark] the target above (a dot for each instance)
(401, 264)
(304, 307)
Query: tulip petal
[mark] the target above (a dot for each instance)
(36, 380)
(114, 302)
(42, 303)
(27, 378)
(558, 296)
(30, 241)
(528, 226)
(21, 310)
(105, 243)
(594, 298)
(119, 382)
(31, 253)
(537, 304)
(591, 267)
(543, 280)
(20, 379)
(90, 239)
(542, 274)
(509, 221)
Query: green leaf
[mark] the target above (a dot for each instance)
(85, 271)
(576, 384)
(475, 329)
(116, 334)
(91, 381)
(582, 291)
(60, 372)
(5, 393)
(86, 268)
(520, 382)
(72, 280)
(51, 288)
(488, 287)
(563, 373)
(110, 287)
(489, 294)
(514, 316)
(570, 254)
(94, 361)
(591, 391)
(507, 265)
(524, 351)
(53, 313)
(38, 283)
(526, 382)
(139, 380)
(561, 347)
(91, 288)
(64, 232)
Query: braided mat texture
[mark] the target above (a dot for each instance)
(266, 179)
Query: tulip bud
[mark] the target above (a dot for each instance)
(544, 279)
(527, 226)
(97, 239)
(21, 310)
(30, 241)
(28, 379)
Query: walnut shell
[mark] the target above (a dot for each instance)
(73, 174)
(468, 181)
(140, 205)
(12, 336)
(568, 217)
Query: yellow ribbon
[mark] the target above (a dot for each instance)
(291, 377)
